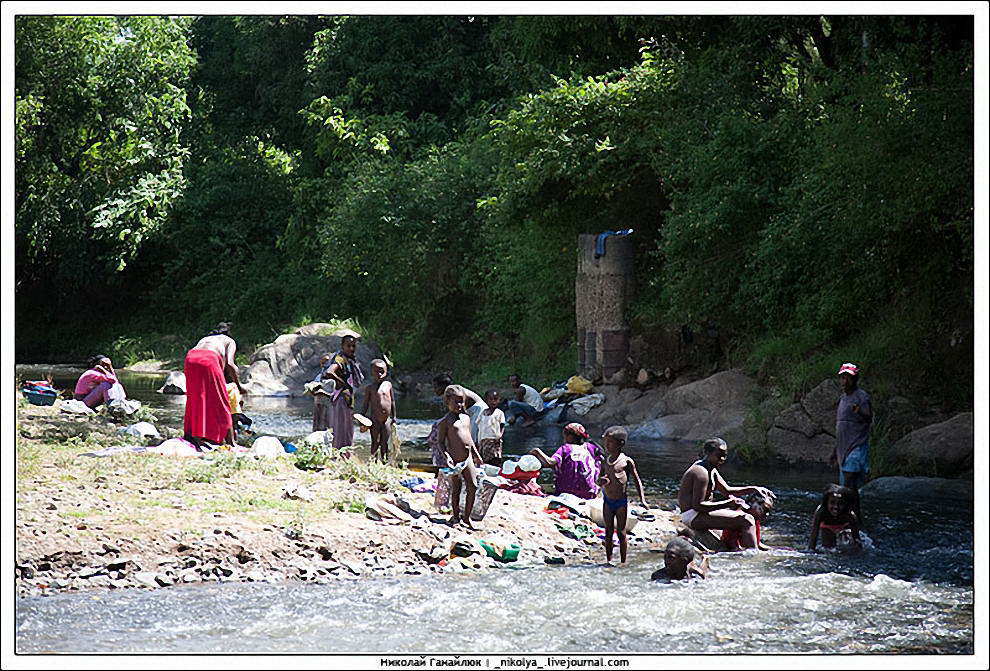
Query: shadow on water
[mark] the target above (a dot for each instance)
(911, 593)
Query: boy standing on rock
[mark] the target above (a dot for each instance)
(852, 430)
(616, 469)
(454, 435)
(381, 402)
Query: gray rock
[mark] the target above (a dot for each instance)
(945, 448)
(905, 489)
(175, 383)
(820, 404)
(796, 447)
(280, 368)
(629, 395)
(645, 407)
(794, 418)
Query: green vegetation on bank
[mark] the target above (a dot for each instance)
(803, 182)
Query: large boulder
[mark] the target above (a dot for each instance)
(945, 448)
(805, 431)
(282, 367)
(909, 489)
(713, 406)
(175, 383)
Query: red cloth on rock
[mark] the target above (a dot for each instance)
(207, 407)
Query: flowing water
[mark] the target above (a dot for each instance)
(913, 592)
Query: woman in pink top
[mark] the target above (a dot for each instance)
(576, 464)
(99, 384)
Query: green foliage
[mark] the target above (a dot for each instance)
(803, 182)
(309, 458)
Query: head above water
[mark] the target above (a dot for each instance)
(759, 505)
(678, 554)
(838, 500)
(714, 451)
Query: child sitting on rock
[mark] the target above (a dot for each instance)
(679, 562)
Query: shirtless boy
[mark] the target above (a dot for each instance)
(679, 563)
(382, 409)
(616, 469)
(454, 435)
(699, 483)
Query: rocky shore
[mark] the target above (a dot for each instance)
(146, 521)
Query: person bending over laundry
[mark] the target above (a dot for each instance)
(454, 434)
(207, 415)
(835, 518)
(679, 563)
(576, 464)
(616, 470)
(99, 384)
(379, 399)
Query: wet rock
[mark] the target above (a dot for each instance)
(947, 490)
(25, 571)
(820, 404)
(945, 448)
(353, 567)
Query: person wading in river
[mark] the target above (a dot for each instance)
(207, 416)
(852, 430)
(698, 486)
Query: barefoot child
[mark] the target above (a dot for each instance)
(679, 564)
(491, 425)
(616, 469)
(454, 435)
(835, 518)
(378, 397)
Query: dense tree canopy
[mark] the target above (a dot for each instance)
(802, 179)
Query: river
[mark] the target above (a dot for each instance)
(912, 592)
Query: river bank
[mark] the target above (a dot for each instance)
(147, 521)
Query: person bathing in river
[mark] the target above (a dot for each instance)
(576, 464)
(699, 483)
(759, 507)
(679, 563)
(528, 402)
(207, 416)
(99, 384)
(491, 426)
(379, 406)
(853, 418)
(616, 470)
(474, 405)
(454, 435)
(835, 518)
(346, 373)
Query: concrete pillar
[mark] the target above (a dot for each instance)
(603, 288)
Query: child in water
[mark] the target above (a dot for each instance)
(678, 563)
(835, 520)
(379, 406)
(616, 469)
(759, 506)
